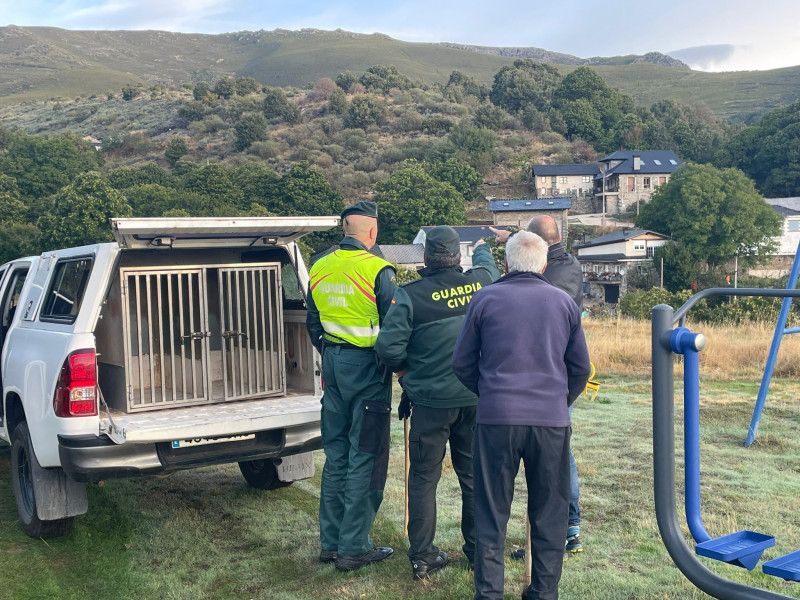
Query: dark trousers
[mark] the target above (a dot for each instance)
(431, 429)
(356, 409)
(496, 455)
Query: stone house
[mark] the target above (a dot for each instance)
(467, 234)
(518, 211)
(608, 260)
(781, 262)
(628, 178)
(575, 181)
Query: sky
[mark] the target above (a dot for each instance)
(713, 35)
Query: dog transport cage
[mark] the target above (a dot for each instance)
(199, 335)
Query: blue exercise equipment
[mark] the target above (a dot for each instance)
(780, 331)
(741, 548)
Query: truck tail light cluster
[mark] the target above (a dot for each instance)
(76, 392)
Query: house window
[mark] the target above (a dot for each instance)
(586, 179)
(638, 245)
(544, 191)
(656, 161)
(650, 251)
(562, 180)
(794, 225)
(662, 180)
(544, 179)
(672, 161)
(646, 183)
(631, 184)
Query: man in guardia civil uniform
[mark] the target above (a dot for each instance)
(417, 340)
(350, 291)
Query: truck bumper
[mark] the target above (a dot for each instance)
(94, 458)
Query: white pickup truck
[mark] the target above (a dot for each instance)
(182, 344)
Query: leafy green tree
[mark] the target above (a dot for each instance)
(459, 86)
(79, 213)
(224, 88)
(768, 151)
(680, 265)
(42, 166)
(526, 82)
(259, 183)
(126, 177)
(381, 78)
(714, 214)
(18, 239)
(11, 207)
(366, 110)
(251, 127)
(411, 198)
(490, 116)
(345, 79)
(176, 148)
(214, 181)
(242, 86)
(129, 92)
(337, 103)
(582, 120)
(466, 180)
(201, 91)
(473, 145)
(276, 106)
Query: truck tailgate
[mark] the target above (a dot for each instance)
(223, 419)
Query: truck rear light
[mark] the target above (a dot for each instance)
(76, 392)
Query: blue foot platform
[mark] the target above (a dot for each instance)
(743, 548)
(786, 566)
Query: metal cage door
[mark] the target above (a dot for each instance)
(165, 326)
(251, 318)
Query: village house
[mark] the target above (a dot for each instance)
(518, 211)
(467, 234)
(628, 178)
(575, 181)
(608, 260)
(781, 261)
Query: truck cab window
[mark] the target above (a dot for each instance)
(63, 298)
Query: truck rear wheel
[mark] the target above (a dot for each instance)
(23, 462)
(262, 474)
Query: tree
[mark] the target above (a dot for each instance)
(176, 148)
(459, 86)
(714, 214)
(251, 127)
(345, 80)
(364, 111)
(126, 177)
(213, 180)
(243, 86)
(680, 266)
(411, 198)
(526, 82)
(259, 183)
(78, 214)
(337, 103)
(224, 88)
(276, 106)
(381, 78)
(466, 180)
(42, 166)
(129, 92)
(201, 91)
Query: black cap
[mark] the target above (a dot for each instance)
(362, 207)
(442, 239)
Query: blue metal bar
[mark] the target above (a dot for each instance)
(773, 352)
(683, 341)
(664, 469)
(791, 330)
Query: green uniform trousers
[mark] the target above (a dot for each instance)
(356, 408)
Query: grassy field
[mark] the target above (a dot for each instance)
(204, 534)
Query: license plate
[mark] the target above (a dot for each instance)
(211, 440)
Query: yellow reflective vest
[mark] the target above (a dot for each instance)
(343, 288)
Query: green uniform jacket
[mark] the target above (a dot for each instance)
(422, 325)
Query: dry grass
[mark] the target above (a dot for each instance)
(622, 347)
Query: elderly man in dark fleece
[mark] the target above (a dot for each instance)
(523, 351)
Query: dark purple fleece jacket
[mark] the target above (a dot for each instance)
(522, 350)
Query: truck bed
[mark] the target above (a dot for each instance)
(222, 419)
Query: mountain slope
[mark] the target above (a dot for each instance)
(43, 62)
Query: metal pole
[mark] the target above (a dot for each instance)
(664, 473)
(662, 272)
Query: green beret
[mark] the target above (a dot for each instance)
(362, 207)
(442, 239)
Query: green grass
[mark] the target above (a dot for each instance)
(203, 534)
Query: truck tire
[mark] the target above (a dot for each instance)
(262, 474)
(23, 461)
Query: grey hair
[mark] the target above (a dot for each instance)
(442, 261)
(526, 252)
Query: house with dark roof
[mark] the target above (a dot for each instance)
(606, 261)
(628, 178)
(517, 212)
(780, 263)
(467, 234)
(575, 181)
